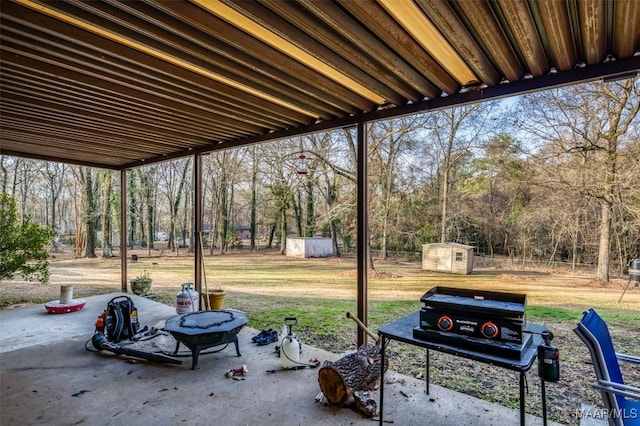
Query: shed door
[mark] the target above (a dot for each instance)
(443, 259)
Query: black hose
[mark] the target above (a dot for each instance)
(100, 342)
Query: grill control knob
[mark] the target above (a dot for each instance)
(445, 323)
(489, 330)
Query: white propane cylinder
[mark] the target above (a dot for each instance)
(187, 300)
(290, 352)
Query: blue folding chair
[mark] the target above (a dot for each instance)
(621, 402)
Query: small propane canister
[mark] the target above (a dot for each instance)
(548, 359)
(188, 300)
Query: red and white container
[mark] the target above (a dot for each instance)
(187, 300)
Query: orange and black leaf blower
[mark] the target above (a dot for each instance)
(120, 321)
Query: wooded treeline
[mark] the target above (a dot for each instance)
(552, 175)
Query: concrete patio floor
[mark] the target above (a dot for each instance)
(47, 377)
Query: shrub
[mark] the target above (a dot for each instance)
(22, 245)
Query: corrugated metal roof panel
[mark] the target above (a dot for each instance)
(143, 81)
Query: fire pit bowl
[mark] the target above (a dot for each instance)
(206, 329)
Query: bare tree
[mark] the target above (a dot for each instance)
(454, 133)
(253, 203)
(107, 203)
(588, 122)
(173, 174)
(25, 177)
(390, 140)
(328, 151)
(4, 162)
(54, 174)
(149, 194)
(279, 168)
(224, 169)
(86, 211)
(349, 171)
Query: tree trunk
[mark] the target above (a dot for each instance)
(602, 273)
(150, 219)
(5, 175)
(283, 231)
(271, 235)
(106, 214)
(254, 195)
(77, 211)
(131, 189)
(356, 372)
(444, 205)
(310, 213)
(176, 203)
(147, 213)
(89, 212)
(224, 217)
(296, 204)
(213, 223)
(54, 175)
(368, 241)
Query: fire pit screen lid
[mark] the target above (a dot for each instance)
(206, 319)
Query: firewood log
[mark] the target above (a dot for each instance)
(355, 372)
(365, 402)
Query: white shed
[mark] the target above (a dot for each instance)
(309, 247)
(447, 257)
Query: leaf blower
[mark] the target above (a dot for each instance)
(120, 321)
(100, 342)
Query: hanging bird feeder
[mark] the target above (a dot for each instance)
(302, 165)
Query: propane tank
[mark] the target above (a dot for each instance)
(188, 300)
(290, 346)
(634, 271)
(548, 359)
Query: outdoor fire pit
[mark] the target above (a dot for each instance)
(206, 329)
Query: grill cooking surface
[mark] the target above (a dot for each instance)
(475, 303)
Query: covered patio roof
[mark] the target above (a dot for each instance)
(118, 84)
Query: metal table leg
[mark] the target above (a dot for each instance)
(382, 350)
(544, 403)
(426, 375)
(522, 400)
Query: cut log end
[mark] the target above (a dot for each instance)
(332, 385)
(341, 380)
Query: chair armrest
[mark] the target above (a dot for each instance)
(618, 389)
(628, 358)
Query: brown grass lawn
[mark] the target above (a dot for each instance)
(267, 286)
(272, 274)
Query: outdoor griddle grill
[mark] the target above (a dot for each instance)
(206, 329)
(484, 326)
(484, 321)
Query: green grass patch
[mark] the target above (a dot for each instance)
(324, 316)
(545, 313)
(542, 314)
